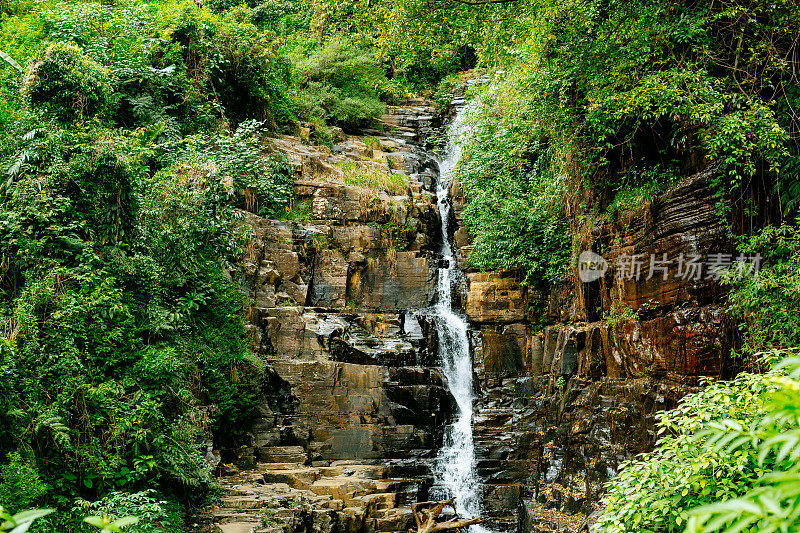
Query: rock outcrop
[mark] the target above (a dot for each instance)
(342, 497)
(561, 406)
(352, 406)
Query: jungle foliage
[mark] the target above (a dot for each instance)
(130, 136)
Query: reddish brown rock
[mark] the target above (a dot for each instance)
(495, 297)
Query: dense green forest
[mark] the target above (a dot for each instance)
(129, 129)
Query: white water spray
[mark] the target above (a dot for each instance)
(455, 464)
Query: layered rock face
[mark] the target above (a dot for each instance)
(562, 406)
(352, 407)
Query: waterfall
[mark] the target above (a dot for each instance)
(455, 464)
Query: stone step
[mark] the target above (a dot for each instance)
(343, 488)
(398, 521)
(235, 515)
(341, 469)
(239, 527)
(283, 454)
(378, 501)
(297, 478)
(243, 502)
(408, 486)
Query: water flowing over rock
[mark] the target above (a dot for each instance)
(395, 374)
(456, 461)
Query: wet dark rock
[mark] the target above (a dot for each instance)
(352, 407)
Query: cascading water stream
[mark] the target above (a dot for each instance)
(456, 460)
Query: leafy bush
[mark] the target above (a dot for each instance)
(767, 303)
(339, 83)
(241, 65)
(421, 42)
(154, 512)
(281, 16)
(65, 83)
(771, 501)
(21, 521)
(123, 340)
(726, 461)
(238, 161)
(657, 490)
(20, 484)
(163, 60)
(512, 209)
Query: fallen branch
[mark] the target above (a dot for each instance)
(427, 513)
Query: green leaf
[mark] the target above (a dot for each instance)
(126, 521)
(96, 521)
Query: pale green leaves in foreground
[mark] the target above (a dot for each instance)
(10, 60)
(105, 525)
(21, 522)
(728, 460)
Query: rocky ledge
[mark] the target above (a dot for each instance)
(343, 497)
(352, 406)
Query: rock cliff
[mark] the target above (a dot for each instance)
(562, 405)
(353, 405)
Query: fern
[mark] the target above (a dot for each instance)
(50, 423)
(34, 133)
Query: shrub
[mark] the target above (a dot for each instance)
(242, 65)
(20, 484)
(511, 192)
(767, 303)
(339, 82)
(156, 513)
(771, 497)
(65, 83)
(373, 177)
(727, 460)
(656, 491)
(241, 167)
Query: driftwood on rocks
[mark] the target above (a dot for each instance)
(426, 515)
